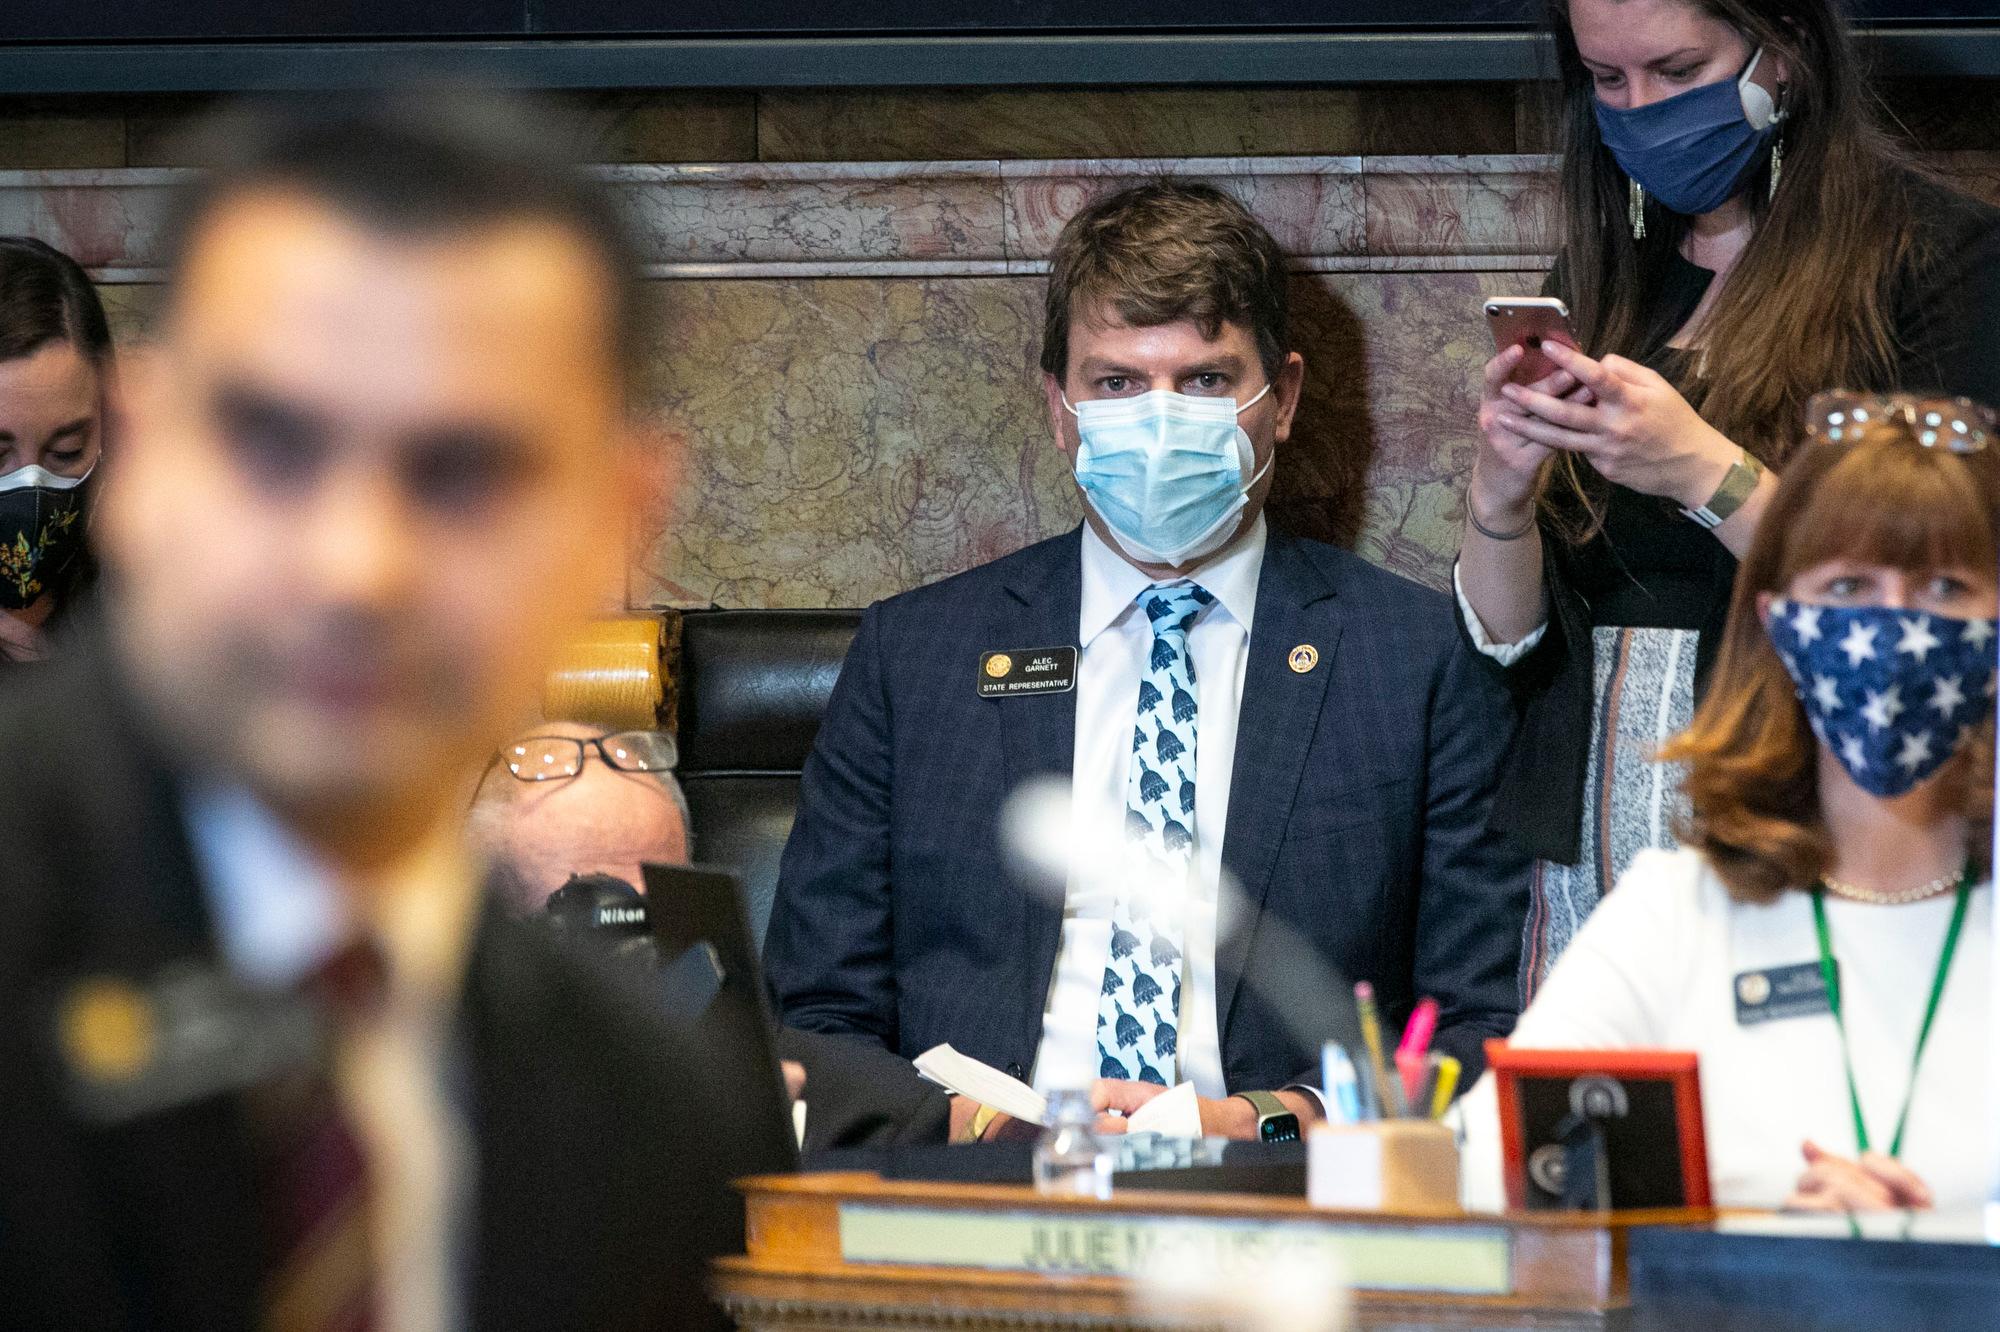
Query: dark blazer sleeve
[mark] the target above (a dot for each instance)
(860, 1095)
(829, 953)
(1474, 896)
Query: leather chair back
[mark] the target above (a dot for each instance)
(752, 687)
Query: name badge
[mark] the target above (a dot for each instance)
(1050, 670)
(1781, 992)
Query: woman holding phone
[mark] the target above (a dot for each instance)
(1737, 233)
(1823, 941)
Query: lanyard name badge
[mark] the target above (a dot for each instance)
(1831, 974)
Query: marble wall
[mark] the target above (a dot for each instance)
(849, 350)
(847, 344)
(852, 439)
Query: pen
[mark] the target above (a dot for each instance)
(1426, 1084)
(1412, 1072)
(1370, 1093)
(1371, 1032)
(1449, 1071)
(1343, 1089)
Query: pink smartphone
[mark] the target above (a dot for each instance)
(1530, 321)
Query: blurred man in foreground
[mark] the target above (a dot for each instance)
(376, 461)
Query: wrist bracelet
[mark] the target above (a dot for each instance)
(1737, 484)
(1472, 516)
(982, 1119)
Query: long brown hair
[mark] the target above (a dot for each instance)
(1809, 304)
(1752, 777)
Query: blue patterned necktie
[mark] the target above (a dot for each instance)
(1138, 1012)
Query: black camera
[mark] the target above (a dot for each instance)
(605, 914)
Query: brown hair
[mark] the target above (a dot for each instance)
(1824, 254)
(424, 163)
(1163, 252)
(46, 297)
(1752, 778)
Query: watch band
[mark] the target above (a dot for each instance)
(1275, 1120)
(1737, 484)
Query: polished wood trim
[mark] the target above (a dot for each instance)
(1568, 1269)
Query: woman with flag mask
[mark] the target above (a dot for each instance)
(1838, 851)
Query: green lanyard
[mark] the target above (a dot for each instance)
(1832, 979)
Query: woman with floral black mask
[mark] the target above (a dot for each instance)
(1822, 940)
(55, 366)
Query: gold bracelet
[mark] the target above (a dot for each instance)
(982, 1119)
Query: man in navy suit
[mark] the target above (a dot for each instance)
(1287, 750)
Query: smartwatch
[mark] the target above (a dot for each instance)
(1274, 1122)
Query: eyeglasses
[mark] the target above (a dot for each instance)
(557, 758)
(1958, 424)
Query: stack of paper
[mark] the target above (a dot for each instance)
(1174, 1114)
(983, 1083)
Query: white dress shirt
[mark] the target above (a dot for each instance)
(1115, 638)
(279, 914)
(1656, 966)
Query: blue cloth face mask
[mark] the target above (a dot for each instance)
(1892, 693)
(1691, 151)
(1169, 473)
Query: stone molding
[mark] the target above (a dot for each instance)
(928, 219)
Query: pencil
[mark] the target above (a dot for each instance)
(1389, 1088)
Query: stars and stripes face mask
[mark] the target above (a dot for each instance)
(1892, 692)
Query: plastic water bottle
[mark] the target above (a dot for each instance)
(1070, 1157)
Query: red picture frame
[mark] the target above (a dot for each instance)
(1680, 1068)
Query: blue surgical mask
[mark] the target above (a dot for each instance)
(1692, 151)
(1169, 473)
(1892, 693)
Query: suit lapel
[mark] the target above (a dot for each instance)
(1278, 719)
(1039, 608)
(184, 1177)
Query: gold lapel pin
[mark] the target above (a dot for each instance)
(108, 1030)
(1304, 657)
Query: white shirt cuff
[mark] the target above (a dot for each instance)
(1504, 653)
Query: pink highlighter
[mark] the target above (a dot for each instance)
(1415, 1046)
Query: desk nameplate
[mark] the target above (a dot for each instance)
(1455, 1259)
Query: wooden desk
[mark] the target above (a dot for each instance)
(853, 1251)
